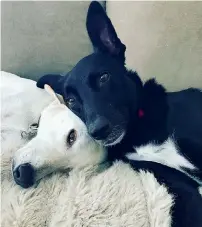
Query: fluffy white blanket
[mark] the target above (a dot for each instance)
(93, 196)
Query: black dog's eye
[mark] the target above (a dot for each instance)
(70, 101)
(103, 79)
(73, 103)
(71, 138)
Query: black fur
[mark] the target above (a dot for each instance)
(187, 210)
(151, 127)
(110, 109)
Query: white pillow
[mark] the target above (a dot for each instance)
(21, 105)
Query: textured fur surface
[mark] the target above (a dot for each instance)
(90, 196)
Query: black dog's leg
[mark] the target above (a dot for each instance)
(187, 208)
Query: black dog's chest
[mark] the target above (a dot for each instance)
(175, 116)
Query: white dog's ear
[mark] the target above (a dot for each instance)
(52, 93)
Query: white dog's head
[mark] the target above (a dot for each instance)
(62, 142)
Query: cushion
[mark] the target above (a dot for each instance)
(40, 37)
(163, 39)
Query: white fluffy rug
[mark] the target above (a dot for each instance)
(92, 197)
(116, 196)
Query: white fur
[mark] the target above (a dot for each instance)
(162, 205)
(118, 140)
(166, 154)
(89, 197)
(21, 105)
(49, 150)
(200, 190)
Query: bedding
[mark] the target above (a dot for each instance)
(90, 196)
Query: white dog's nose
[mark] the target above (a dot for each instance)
(24, 175)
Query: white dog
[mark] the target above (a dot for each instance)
(62, 142)
(54, 147)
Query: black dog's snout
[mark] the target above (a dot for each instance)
(24, 175)
(99, 129)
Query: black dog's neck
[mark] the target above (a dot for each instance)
(148, 123)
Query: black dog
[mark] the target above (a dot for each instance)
(123, 113)
(116, 107)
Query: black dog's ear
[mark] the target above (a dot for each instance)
(55, 81)
(102, 33)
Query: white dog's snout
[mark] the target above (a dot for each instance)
(22, 156)
(61, 142)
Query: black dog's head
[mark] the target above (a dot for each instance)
(99, 89)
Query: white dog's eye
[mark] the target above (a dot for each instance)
(71, 138)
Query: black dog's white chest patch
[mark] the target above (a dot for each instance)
(167, 154)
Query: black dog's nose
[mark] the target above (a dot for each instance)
(99, 129)
(24, 175)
